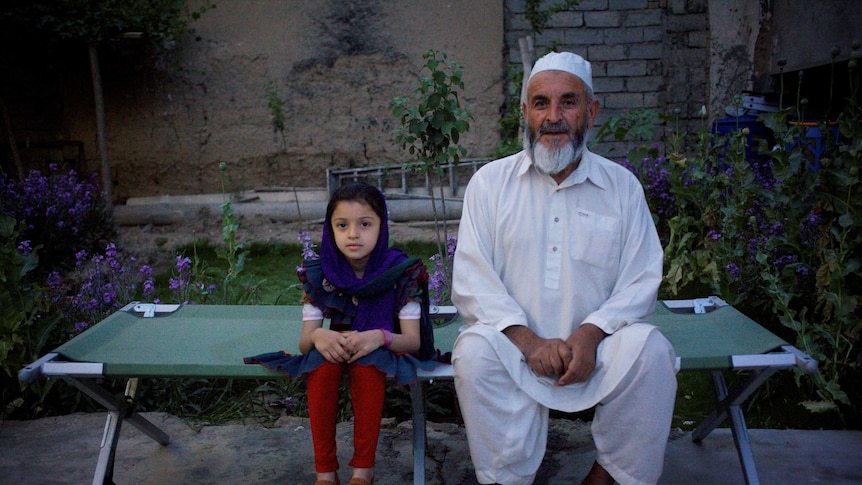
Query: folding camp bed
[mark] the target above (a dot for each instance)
(209, 341)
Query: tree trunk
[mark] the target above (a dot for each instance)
(100, 125)
(16, 157)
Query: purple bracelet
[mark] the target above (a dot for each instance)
(387, 338)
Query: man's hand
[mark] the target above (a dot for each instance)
(547, 357)
(573, 359)
(583, 344)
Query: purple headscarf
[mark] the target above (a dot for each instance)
(373, 311)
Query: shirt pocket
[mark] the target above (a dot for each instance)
(595, 239)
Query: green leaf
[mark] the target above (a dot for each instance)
(819, 406)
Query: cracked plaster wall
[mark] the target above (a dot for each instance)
(336, 66)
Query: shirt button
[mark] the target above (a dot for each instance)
(556, 219)
(554, 249)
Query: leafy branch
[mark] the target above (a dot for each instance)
(432, 123)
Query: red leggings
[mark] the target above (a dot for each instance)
(367, 390)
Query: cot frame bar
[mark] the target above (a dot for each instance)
(420, 438)
(119, 410)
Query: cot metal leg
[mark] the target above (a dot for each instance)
(417, 396)
(729, 406)
(108, 449)
(118, 411)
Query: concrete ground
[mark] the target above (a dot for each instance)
(64, 450)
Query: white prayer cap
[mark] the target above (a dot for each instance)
(565, 61)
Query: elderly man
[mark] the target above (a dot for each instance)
(557, 267)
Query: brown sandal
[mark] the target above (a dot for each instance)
(360, 481)
(326, 482)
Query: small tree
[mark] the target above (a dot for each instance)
(431, 128)
(276, 109)
(158, 25)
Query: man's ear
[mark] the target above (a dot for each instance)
(594, 111)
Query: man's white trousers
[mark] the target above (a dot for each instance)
(505, 406)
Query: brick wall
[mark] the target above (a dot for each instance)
(644, 53)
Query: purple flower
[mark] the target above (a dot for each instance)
(734, 270)
(438, 279)
(183, 263)
(308, 246)
(24, 248)
(149, 287)
(176, 283)
(786, 259)
(54, 280)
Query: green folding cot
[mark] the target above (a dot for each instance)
(145, 340)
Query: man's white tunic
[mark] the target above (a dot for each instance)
(552, 257)
(531, 252)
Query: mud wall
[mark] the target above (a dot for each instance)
(334, 67)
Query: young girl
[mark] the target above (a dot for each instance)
(371, 293)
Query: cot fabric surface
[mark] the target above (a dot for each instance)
(193, 341)
(709, 340)
(211, 340)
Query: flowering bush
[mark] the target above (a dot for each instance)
(193, 282)
(773, 236)
(22, 301)
(440, 277)
(189, 283)
(101, 284)
(60, 212)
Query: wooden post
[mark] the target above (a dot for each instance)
(16, 157)
(526, 45)
(100, 125)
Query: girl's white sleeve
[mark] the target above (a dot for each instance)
(311, 312)
(410, 311)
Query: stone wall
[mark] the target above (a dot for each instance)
(644, 53)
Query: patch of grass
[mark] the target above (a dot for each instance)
(775, 405)
(272, 266)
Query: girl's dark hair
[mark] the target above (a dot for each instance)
(358, 192)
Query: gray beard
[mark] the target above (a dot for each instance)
(552, 161)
